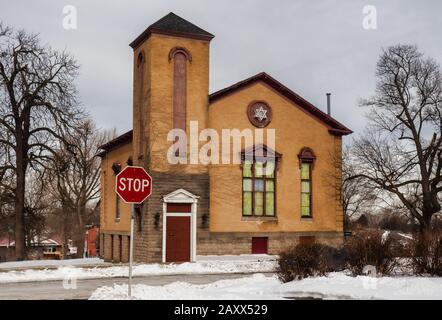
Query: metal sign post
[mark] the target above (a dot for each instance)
(131, 248)
(133, 185)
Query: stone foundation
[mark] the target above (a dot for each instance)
(149, 227)
(114, 247)
(210, 243)
(241, 243)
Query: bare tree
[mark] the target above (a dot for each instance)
(37, 105)
(6, 196)
(354, 193)
(357, 195)
(401, 150)
(6, 180)
(77, 178)
(38, 205)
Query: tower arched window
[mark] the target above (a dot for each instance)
(139, 89)
(140, 59)
(180, 56)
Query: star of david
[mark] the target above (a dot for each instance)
(260, 114)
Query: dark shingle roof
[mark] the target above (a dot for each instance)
(172, 24)
(115, 143)
(334, 126)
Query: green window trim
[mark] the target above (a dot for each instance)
(259, 189)
(306, 190)
(306, 158)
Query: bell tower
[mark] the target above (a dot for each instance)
(170, 88)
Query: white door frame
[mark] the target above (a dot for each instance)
(181, 196)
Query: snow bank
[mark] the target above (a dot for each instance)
(236, 258)
(50, 263)
(338, 285)
(215, 264)
(256, 287)
(335, 286)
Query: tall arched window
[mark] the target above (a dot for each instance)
(140, 100)
(117, 208)
(180, 56)
(306, 159)
(116, 168)
(259, 164)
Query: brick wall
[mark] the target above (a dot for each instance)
(101, 252)
(115, 247)
(125, 249)
(241, 243)
(207, 243)
(148, 242)
(107, 247)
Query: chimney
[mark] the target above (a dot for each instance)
(328, 104)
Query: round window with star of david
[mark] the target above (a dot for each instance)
(259, 113)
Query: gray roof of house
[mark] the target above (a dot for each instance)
(173, 25)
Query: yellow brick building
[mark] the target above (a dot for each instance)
(271, 198)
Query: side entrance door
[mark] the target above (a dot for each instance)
(178, 239)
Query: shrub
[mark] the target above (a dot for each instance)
(426, 253)
(307, 260)
(372, 247)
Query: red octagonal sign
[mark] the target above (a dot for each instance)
(133, 184)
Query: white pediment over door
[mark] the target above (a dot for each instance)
(180, 196)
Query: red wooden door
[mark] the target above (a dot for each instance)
(178, 239)
(259, 245)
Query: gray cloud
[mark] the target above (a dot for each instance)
(311, 46)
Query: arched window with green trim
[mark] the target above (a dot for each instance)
(259, 183)
(306, 160)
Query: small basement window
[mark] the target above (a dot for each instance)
(307, 240)
(260, 245)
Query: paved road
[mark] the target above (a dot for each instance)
(45, 290)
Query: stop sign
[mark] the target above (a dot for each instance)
(133, 184)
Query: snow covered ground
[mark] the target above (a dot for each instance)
(258, 286)
(50, 263)
(204, 265)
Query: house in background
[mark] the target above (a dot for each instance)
(91, 245)
(257, 206)
(40, 248)
(7, 249)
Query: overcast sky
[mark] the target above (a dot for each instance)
(313, 47)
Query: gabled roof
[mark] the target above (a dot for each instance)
(260, 150)
(174, 25)
(180, 196)
(7, 242)
(35, 241)
(334, 126)
(118, 141)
